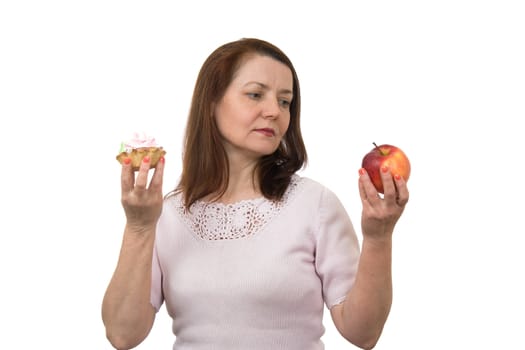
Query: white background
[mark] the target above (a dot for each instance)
(443, 80)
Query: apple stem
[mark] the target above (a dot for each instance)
(379, 149)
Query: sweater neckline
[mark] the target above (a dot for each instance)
(216, 221)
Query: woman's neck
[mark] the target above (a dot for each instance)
(243, 183)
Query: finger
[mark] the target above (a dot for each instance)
(158, 175)
(402, 190)
(389, 188)
(127, 176)
(142, 175)
(367, 191)
(362, 192)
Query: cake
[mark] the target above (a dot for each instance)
(139, 146)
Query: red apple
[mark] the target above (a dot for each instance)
(385, 155)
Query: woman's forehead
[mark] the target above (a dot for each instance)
(264, 70)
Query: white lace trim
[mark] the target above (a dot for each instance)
(218, 221)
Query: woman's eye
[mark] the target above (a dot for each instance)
(254, 95)
(284, 103)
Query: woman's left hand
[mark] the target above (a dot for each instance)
(381, 213)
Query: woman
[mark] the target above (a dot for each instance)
(244, 252)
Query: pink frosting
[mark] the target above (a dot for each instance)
(139, 140)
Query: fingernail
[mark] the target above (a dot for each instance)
(145, 159)
(362, 171)
(162, 160)
(127, 161)
(397, 177)
(384, 169)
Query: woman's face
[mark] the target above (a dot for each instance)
(254, 113)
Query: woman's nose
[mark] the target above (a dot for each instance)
(271, 108)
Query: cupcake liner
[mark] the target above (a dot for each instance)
(137, 154)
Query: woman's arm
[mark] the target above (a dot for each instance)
(126, 309)
(361, 317)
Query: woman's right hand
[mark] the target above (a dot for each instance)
(142, 203)
(126, 309)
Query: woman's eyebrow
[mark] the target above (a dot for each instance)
(265, 87)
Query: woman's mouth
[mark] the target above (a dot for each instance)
(269, 132)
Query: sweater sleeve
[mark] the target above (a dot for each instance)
(337, 250)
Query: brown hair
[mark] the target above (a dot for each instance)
(205, 163)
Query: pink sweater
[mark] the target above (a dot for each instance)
(254, 274)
